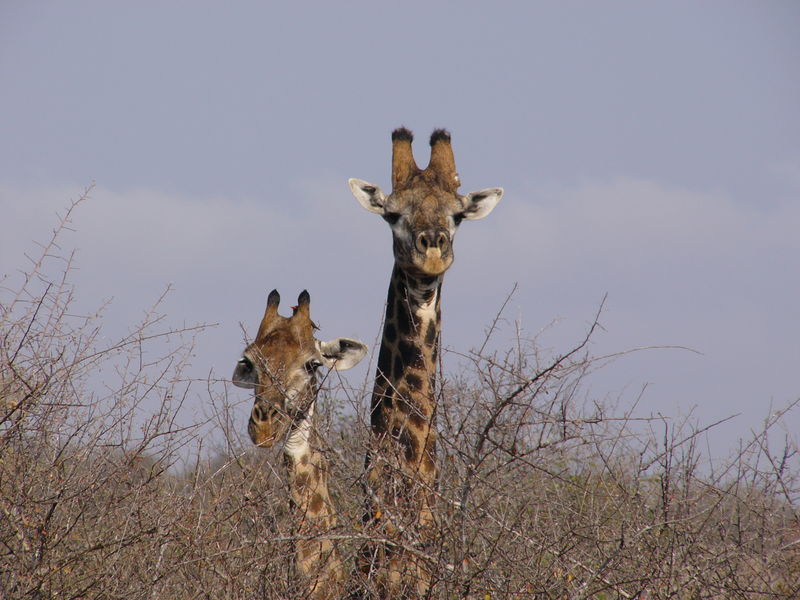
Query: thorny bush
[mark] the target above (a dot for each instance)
(542, 492)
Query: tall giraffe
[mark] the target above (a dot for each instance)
(280, 365)
(424, 210)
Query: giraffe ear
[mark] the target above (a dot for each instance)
(342, 353)
(369, 196)
(479, 204)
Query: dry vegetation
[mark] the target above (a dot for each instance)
(543, 493)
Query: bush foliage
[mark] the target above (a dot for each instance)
(543, 493)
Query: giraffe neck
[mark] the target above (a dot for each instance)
(406, 373)
(308, 477)
(316, 560)
(401, 462)
(298, 443)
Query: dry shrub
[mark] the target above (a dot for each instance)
(543, 492)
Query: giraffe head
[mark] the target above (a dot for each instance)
(424, 209)
(281, 364)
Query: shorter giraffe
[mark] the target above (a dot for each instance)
(280, 365)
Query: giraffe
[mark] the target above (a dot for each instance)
(280, 365)
(423, 211)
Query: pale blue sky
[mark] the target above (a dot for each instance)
(648, 151)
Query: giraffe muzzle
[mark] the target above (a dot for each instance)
(267, 424)
(433, 239)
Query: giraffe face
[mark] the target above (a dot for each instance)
(281, 364)
(424, 208)
(424, 218)
(423, 223)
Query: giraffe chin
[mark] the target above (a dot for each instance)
(265, 435)
(262, 441)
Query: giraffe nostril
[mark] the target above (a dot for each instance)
(423, 242)
(433, 238)
(261, 413)
(442, 241)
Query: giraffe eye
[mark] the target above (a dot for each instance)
(392, 217)
(245, 363)
(457, 218)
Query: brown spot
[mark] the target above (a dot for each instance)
(390, 310)
(385, 362)
(403, 406)
(390, 303)
(410, 444)
(390, 333)
(430, 334)
(316, 503)
(414, 381)
(301, 479)
(403, 319)
(304, 459)
(398, 368)
(410, 354)
(380, 407)
(418, 420)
